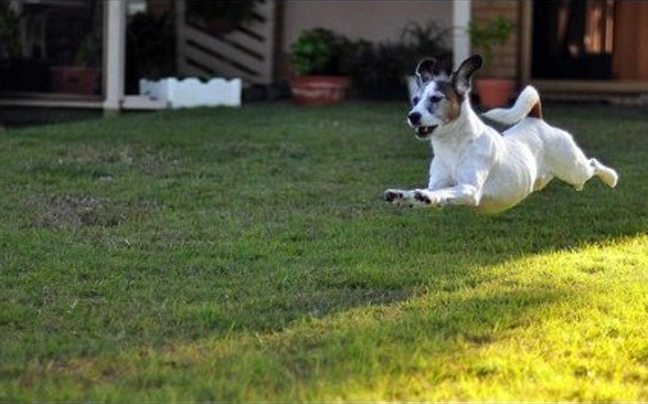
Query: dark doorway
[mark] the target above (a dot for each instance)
(573, 39)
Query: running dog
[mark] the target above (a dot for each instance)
(476, 166)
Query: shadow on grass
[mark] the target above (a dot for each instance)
(352, 324)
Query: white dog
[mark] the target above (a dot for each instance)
(476, 166)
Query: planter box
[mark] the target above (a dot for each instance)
(191, 92)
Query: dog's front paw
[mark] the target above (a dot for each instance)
(427, 199)
(393, 195)
(422, 198)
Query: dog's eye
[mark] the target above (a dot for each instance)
(435, 98)
(415, 100)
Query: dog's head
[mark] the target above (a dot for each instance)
(438, 100)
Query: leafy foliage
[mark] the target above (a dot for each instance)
(379, 70)
(428, 40)
(484, 36)
(320, 51)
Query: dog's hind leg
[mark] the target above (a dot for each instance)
(568, 163)
(582, 170)
(608, 175)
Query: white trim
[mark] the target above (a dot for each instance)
(129, 102)
(460, 39)
(142, 102)
(115, 54)
(526, 41)
(48, 103)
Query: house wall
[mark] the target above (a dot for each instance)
(373, 20)
(505, 62)
(630, 62)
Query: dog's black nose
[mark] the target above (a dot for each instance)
(414, 118)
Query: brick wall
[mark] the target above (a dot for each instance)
(506, 59)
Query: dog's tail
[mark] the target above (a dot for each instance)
(527, 105)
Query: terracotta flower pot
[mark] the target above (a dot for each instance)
(494, 92)
(319, 90)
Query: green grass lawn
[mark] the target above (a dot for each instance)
(246, 255)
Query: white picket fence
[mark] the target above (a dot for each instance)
(245, 53)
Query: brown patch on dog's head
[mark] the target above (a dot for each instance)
(453, 100)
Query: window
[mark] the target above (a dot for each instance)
(60, 47)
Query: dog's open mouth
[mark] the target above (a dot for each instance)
(423, 131)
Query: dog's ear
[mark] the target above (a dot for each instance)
(461, 78)
(426, 70)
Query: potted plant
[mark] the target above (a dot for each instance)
(318, 61)
(220, 17)
(492, 91)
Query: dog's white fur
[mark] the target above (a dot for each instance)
(476, 166)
